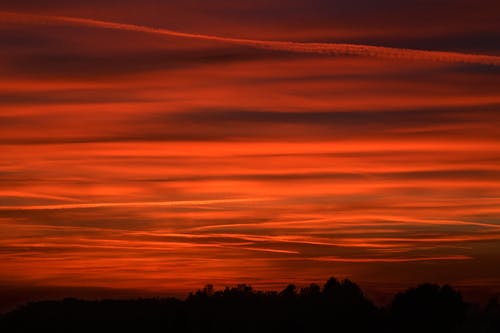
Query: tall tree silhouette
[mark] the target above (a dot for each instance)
(428, 308)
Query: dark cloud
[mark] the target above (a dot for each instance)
(231, 124)
(402, 118)
(59, 63)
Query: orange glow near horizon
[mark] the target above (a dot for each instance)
(160, 164)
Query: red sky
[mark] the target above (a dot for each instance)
(158, 164)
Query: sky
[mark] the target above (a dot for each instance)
(308, 139)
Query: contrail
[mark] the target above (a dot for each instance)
(298, 47)
(132, 204)
(392, 260)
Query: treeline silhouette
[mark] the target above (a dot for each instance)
(337, 306)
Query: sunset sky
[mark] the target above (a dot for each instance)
(143, 162)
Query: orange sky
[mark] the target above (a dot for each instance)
(159, 163)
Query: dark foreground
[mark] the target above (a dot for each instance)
(338, 306)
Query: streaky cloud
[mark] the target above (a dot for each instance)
(289, 46)
(133, 204)
(393, 260)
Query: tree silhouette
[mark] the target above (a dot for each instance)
(289, 292)
(313, 290)
(428, 308)
(340, 306)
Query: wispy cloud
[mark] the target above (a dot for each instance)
(389, 260)
(317, 48)
(135, 204)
